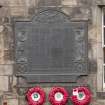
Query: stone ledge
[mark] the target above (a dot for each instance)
(101, 95)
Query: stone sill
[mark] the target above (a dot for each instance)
(101, 95)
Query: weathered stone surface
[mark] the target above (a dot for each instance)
(69, 2)
(16, 3)
(17, 11)
(4, 83)
(4, 10)
(10, 99)
(22, 101)
(77, 10)
(98, 102)
(6, 69)
(6, 45)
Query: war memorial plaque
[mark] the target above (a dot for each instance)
(51, 48)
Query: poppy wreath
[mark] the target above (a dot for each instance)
(58, 96)
(35, 96)
(81, 96)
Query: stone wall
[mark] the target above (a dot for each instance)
(77, 10)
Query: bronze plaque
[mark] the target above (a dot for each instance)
(51, 48)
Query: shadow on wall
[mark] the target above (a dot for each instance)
(92, 60)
